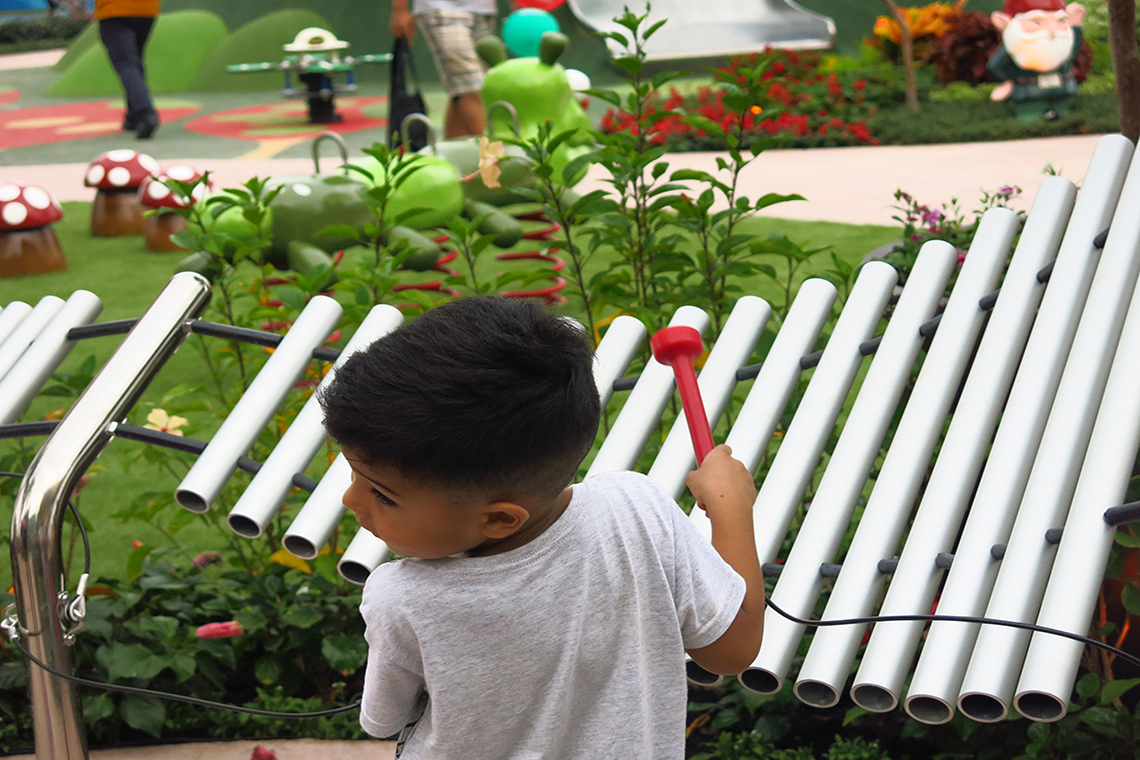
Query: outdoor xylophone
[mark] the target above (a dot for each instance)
(1029, 392)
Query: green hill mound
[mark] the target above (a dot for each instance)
(259, 40)
(179, 43)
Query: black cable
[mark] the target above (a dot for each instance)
(958, 619)
(801, 621)
(178, 697)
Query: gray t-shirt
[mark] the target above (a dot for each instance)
(570, 647)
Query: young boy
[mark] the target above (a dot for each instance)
(528, 619)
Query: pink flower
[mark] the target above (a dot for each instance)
(961, 257)
(261, 753)
(136, 544)
(931, 217)
(225, 630)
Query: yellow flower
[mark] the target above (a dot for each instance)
(489, 155)
(159, 420)
(282, 557)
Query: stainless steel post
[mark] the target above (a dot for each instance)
(38, 515)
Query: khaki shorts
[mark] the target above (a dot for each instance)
(451, 37)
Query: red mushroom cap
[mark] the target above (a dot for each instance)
(25, 207)
(120, 169)
(154, 194)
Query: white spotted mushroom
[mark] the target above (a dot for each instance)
(155, 194)
(28, 244)
(117, 175)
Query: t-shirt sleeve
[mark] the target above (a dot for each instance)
(707, 591)
(393, 678)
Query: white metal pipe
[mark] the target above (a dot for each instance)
(267, 491)
(364, 554)
(890, 651)
(780, 373)
(1046, 684)
(765, 402)
(13, 314)
(45, 354)
(256, 406)
(994, 666)
(825, 523)
(783, 489)
(315, 523)
(27, 331)
(717, 380)
(642, 410)
(616, 350)
(938, 675)
(857, 588)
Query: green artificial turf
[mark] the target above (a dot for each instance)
(88, 37)
(177, 46)
(259, 40)
(127, 278)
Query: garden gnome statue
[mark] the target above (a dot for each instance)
(1034, 64)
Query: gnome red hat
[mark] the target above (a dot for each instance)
(1014, 7)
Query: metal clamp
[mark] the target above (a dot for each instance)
(74, 610)
(11, 623)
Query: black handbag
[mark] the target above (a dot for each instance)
(403, 101)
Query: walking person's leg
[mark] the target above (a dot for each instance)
(124, 38)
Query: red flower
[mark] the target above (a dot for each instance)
(261, 753)
(859, 84)
(225, 630)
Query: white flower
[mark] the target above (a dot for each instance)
(489, 155)
(161, 421)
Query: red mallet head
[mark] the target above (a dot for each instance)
(673, 343)
(677, 347)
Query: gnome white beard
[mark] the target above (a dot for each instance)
(1038, 51)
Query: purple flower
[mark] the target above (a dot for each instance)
(1007, 190)
(931, 217)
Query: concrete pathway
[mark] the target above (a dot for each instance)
(851, 185)
(285, 749)
(38, 59)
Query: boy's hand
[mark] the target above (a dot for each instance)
(722, 483)
(403, 23)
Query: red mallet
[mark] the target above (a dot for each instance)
(677, 347)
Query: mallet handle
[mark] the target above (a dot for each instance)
(694, 408)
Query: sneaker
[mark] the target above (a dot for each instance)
(146, 127)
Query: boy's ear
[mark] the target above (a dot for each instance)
(503, 519)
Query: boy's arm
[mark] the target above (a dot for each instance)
(403, 24)
(725, 488)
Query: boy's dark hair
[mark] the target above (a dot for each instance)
(485, 395)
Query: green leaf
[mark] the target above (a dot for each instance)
(144, 713)
(340, 231)
(301, 616)
(344, 653)
(854, 713)
(135, 560)
(125, 661)
(291, 296)
(1130, 598)
(1123, 537)
(268, 669)
(1113, 690)
(13, 675)
(1088, 685)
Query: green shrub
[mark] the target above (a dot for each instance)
(53, 28)
(178, 44)
(302, 649)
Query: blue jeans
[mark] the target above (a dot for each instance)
(125, 37)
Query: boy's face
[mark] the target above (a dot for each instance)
(413, 519)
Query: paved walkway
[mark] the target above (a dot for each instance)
(285, 749)
(38, 59)
(851, 185)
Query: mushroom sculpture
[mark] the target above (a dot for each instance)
(117, 175)
(28, 244)
(154, 194)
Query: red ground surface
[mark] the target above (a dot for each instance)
(288, 120)
(51, 124)
(9, 96)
